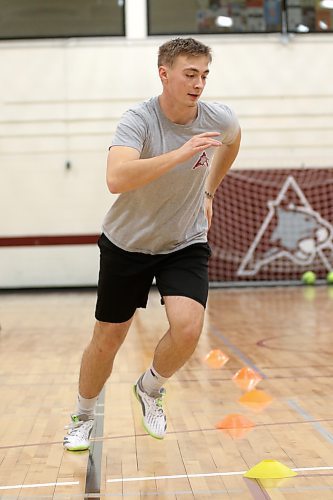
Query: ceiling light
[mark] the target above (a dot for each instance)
(224, 21)
(326, 4)
(301, 28)
(323, 25)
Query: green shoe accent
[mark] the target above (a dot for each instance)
(158, 404)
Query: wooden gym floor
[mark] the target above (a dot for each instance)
(285, 334)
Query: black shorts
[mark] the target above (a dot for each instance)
(125, 278)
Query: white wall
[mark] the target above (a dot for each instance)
(60, 101)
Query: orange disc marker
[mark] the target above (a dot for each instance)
(256, 399)
(246, 378)
(235, 425)
(216, 359)
(237, 433)
(235, 421)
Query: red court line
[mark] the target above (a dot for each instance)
(68, 239)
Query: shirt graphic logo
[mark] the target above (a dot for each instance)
(203, 161)
(292, 230)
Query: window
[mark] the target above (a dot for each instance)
(304, 16)
(61, 18)
(213, 16)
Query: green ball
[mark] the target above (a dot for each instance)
(309, 278)
(329, 278)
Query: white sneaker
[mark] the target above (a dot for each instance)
(154, 419)
(77, 438)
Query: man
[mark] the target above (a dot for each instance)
(167, 159)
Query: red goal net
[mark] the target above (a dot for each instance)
(272, 225)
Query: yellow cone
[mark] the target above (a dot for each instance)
(274, 483)
(269, 469)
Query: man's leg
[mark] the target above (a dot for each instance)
(185, 317)
(97, 359)
(96, 367)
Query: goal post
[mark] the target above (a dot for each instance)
(272, 225)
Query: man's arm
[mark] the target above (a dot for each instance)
(127, 171)
(222, 160)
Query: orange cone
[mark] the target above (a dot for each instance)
(246, 378)
(216, 359)
(256, 399)
(234, 421)
(237, 433)
(237, 426)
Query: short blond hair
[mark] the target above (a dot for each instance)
(170, 50)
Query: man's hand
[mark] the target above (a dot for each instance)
(197, 144)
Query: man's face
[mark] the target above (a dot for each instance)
(186, 79)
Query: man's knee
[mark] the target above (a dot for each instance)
(185, 317)
(108, 337)
(186, 329)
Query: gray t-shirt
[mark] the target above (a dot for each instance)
(168, 213)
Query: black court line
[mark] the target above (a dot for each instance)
(93, 476)
(100, 439)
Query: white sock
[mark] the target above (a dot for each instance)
(151, 381)
(86, 406)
